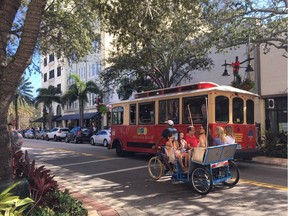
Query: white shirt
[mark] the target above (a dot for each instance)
(230, 140)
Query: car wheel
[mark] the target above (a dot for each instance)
(66, 139)
(92, 141)
(55, 138)
(105, 143)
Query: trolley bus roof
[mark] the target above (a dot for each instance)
(194, 89)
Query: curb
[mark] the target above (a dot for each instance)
(282, 162)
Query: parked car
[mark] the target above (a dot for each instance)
(57, 133)
(79, 135)
(41, 134)
(101, 137)
(29, 134)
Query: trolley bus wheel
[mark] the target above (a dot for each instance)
(233, 170)
(155, 168)
(119, 150)
(201, 180)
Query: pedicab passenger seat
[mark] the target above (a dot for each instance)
(214, 154)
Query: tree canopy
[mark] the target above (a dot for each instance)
(163, 41)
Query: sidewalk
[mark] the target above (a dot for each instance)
(97, 206)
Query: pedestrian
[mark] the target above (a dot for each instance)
(16, 138)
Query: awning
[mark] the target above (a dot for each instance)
(77, 116)
(54, 118)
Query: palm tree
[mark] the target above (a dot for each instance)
(47, 96)
(22, 96)
(78, 91)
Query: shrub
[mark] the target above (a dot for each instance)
(275, 144)
(11, 204)
(60, 203)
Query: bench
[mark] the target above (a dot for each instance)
(213, 154)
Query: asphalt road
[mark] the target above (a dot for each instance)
(262, 189)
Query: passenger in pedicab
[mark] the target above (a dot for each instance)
(182, 149)
(164, 136)
(220, 138)
(230, 138)
(190, 137)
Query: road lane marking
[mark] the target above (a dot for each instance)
(262, 184)
(111, 172)
(94, 161)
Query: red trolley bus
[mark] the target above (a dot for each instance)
(137, 124)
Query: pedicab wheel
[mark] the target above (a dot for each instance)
(155, 168)
(201, 180)
(233, 170)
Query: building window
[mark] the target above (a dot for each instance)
(45, 77)
(59, 87)
(51, 57)
(98, 68)
(58, 71)
(45, 61)
(51, 74)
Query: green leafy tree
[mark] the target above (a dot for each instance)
(47, 96)
(66, 28)
(165, 40)
(78, 90)
(23, 96)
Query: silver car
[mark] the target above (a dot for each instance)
(41, 134)
(101, 137)
(29, 134)
(57, 133)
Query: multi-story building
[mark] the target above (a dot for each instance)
(56, 72)
(269, 76)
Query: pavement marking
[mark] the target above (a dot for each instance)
(94, 161)
(266, 185)
(115, 171)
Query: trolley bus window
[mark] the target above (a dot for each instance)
(132, 114)
(250, 111)
(197, 106)
(117, 116)
(146, 113)
(169, 109)
(222, 109)
(238, 105)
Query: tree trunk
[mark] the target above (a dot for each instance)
(16, 111)
(81, 112)
(5, 148)
(13, 67)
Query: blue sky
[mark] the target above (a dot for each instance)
(35, 79)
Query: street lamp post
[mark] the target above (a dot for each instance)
(236, 66)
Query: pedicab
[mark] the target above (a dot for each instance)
(208, 167)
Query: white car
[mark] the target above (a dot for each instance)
(101, 137)
(57, 133)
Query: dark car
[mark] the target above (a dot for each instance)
(79, 135)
